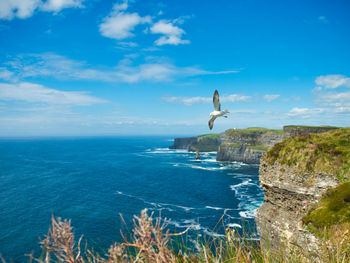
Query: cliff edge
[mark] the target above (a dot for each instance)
(243, 145)
(307, 191)
(247, 145)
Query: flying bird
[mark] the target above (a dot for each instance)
(217, 110)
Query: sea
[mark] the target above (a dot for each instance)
(100, 183)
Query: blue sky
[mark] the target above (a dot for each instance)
(93, 67)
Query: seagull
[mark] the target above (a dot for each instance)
(217, 110)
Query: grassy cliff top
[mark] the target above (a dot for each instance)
(251, 130)
(309, 126)
(209, 136)
(327, 152)
(332, 209)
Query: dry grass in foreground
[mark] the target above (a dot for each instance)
(151, 241)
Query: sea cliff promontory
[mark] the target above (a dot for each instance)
(307, 192)
(243, 145)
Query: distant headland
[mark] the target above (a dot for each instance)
(243, 145)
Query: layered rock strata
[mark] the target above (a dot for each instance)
(288, 195)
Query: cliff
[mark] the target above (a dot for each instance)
(206, 143)
(246, 145)
(202, 143)
(183, 143)
(298, 176)
(243, 145)
(293, 130)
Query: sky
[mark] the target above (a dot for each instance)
(93, 67)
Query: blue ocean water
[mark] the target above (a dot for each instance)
(92, 180)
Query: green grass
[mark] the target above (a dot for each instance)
(206, 143)
(258, 147)
(327, 152)
(264, 129)
(332, 209)
(309, 126)
(210, 136)
(251, 131)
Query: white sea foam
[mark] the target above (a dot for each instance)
(234, 225)
(213, 207)
(209, 168)
(165, 151)
(235, 187)
(248, 214)
(188, 223)
(211, 233)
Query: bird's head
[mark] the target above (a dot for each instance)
(226, 111)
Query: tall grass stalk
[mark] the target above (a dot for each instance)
(151, 241)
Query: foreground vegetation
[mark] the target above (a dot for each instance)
(151, 241)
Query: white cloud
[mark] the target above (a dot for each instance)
(271, 97)
(333, 81)
(5, 74)
(193, 100)
(58, 5)
(172, 34)
(31, 92)
(53, 65)
(119, 25)
(335, 99)
(10, 9)
(304, 112)
(17, 8)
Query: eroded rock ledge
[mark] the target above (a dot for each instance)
(288, 195)
(297, 175)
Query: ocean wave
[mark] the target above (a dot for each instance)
(248, 203)
(154, 204)
(166, 151)
(248, 214)
(187, 223)
(244, 183)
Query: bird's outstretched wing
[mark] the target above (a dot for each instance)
(216, 101)
(211, 122)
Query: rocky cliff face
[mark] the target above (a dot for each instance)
(288, 195)
(239, 153)
(183, 143)
(295, 174)
(246, 145)
(293, 130)
(203, 143)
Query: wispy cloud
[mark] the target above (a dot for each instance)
(271, 97)
(56, 66)
(337, 101)
(193, 100)
(31, 92)
(10, 9)
(304, 112)
(333, 81)
(120, 24)
(172, 34)
(5, 74)
(322, 19)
